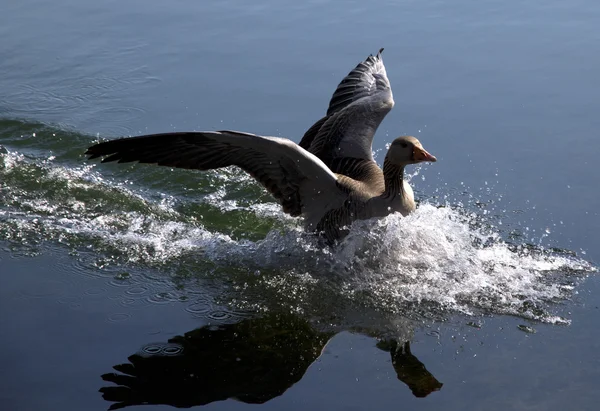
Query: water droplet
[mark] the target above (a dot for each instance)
(526, 328)
(122, 276)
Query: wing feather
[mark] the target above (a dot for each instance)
(301, 182)
(356, 109)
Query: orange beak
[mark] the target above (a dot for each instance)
(420, 154)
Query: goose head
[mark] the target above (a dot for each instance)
(407, 150)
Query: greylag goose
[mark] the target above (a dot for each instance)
(330, 178)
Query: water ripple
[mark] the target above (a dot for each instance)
(440, 259)
(164, 349)
(45, 288)
(118, 317)
(199, 308)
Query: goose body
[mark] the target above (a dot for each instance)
(330, 178)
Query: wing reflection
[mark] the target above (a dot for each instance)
(252, 361)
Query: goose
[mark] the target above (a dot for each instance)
(330, 178)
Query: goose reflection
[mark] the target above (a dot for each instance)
(252, 361)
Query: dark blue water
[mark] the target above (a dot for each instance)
(187, 289)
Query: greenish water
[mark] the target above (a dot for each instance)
(175, 288)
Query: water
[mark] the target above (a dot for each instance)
(162, 286)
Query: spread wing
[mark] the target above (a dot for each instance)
(301, 182)
(357, 107)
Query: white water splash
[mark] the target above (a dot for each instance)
(435, 256)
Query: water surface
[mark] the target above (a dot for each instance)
(159, 286)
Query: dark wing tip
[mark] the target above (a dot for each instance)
(96, 151)
(112, 150)
(377, 56)
(92, 154)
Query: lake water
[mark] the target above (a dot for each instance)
(125, 285)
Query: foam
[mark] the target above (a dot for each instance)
(441, 258)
